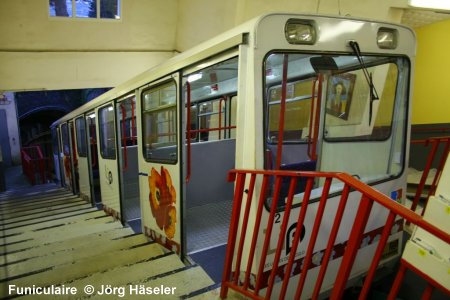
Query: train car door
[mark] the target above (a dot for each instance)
(107, 160)
(91, 133)
(82, 155)
(56, 141)
(73, 160)
(128, 161)
(65, 157)
(160, 161)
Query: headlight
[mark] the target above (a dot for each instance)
(300, 32)
(387, 38)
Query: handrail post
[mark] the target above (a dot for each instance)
(234, 224)
(353, 244)
(282, 112)
(188, 130)
(124, 137)
(423, 179)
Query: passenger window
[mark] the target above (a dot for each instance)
(55, 141)
(107, 132)
(348, 106)
(297, 113)
(213, 101)
(209, 116)
(159, 123)
(127, 117)
(65, 139)
(80, 126)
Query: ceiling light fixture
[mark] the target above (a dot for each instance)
(431, 4)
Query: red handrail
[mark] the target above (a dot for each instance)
(124, 137)
(282, 111)
(311, 117)
(240, 227)
(133, 123)
(188, 131)
(222, 99)
(317, 119)
(34, 161)
(212, 129)
(435, 143)
(93, 143)
(314, 119)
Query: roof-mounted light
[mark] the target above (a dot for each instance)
(387, 38)
(300, 32)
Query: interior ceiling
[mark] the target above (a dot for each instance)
(419, 17)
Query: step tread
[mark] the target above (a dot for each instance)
(87, 266)
(71, 254)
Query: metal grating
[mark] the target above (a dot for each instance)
(207, 226)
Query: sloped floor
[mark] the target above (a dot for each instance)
(49, 237)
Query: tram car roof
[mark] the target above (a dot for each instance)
(211, 47)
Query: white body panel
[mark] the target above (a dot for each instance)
(156, 221)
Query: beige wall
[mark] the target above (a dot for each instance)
(40, 52)
(72, 70)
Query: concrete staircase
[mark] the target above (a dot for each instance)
(49, 237)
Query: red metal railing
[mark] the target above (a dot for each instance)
(35, 164)
(245, 183)
(314, 118)
(435, 144)
(188, 131)
(124, 138)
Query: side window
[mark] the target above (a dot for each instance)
(297, 114)
(65, 139)
(127, 119)
(80, 126)
(55, 141)
(213, 101)
(159, 123)
(107, 132)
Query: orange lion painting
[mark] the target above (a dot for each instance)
(162, 200)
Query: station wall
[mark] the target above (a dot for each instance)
(431, 98)
(39, 52)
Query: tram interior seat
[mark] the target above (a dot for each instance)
(291, 163)
(309, 165)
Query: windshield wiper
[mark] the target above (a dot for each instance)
(373, 92)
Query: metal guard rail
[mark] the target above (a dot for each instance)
(33, 161)
(231, 279)
(435, 143)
